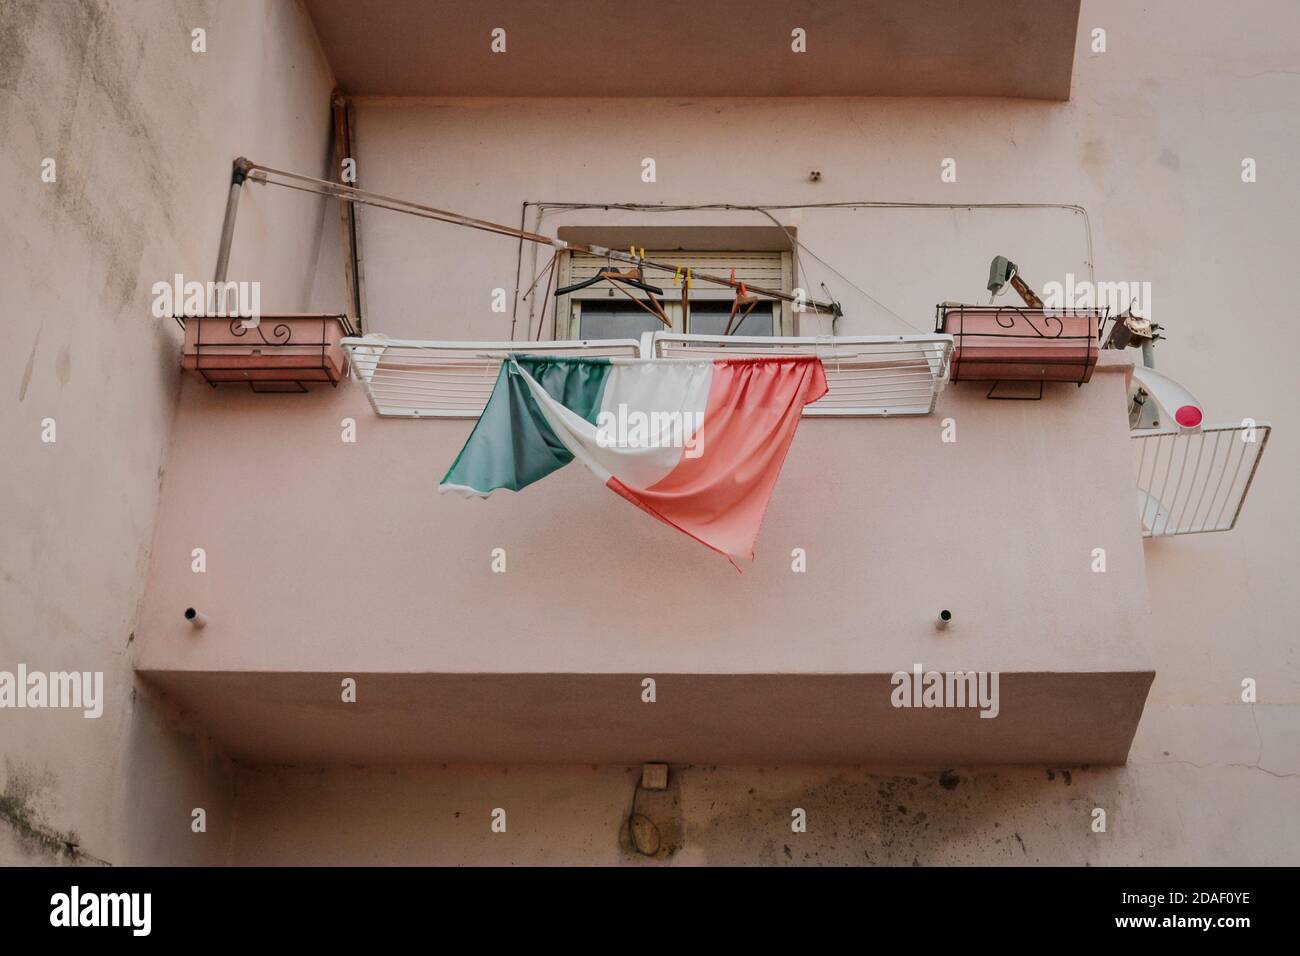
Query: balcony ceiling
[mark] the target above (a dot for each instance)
(1018, 48)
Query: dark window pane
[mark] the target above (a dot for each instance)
(599, 321)
(711, 319)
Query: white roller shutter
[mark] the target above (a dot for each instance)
(767, 269)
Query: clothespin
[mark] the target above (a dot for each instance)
(733, 276)
(743, 293)
(688, 277)
(677, 276)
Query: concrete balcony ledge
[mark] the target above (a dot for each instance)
(1020, 48)
(755, 719)
(327, 559)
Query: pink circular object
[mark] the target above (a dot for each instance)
(1189, 416)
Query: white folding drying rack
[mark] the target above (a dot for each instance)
(411, 379)
(867, 376)
(1188, 481)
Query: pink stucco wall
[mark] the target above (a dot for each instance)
(325, 555)
(328, 559)
(1165, 204)
(333, 558)
(141, 130)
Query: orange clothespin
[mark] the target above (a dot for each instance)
(733, 276)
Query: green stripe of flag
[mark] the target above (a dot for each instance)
(512, 445)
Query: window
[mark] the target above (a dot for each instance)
(613, 319)
(712, 317)
(603, 312)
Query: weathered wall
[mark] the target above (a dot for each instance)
(1151, 143)
(142, 130)
(1159, 812)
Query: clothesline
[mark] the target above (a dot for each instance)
(268, 175)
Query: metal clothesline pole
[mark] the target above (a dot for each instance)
(264, 175)
(237, 176)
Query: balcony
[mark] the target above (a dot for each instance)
(522, 628)
(1020, 48)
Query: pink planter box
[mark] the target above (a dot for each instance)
(1008, 344)
(285, 352)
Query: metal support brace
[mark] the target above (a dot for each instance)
(238, 173)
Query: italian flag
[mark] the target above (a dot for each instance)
(697, 444)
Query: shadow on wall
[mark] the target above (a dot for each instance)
(168, 772)
(176, 791)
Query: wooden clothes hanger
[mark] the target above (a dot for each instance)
(686, 298)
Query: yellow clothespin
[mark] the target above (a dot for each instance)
(688, 278)
(677, 276)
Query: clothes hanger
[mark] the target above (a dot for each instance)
(635, 278)
(619, 280)
(611, 274)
